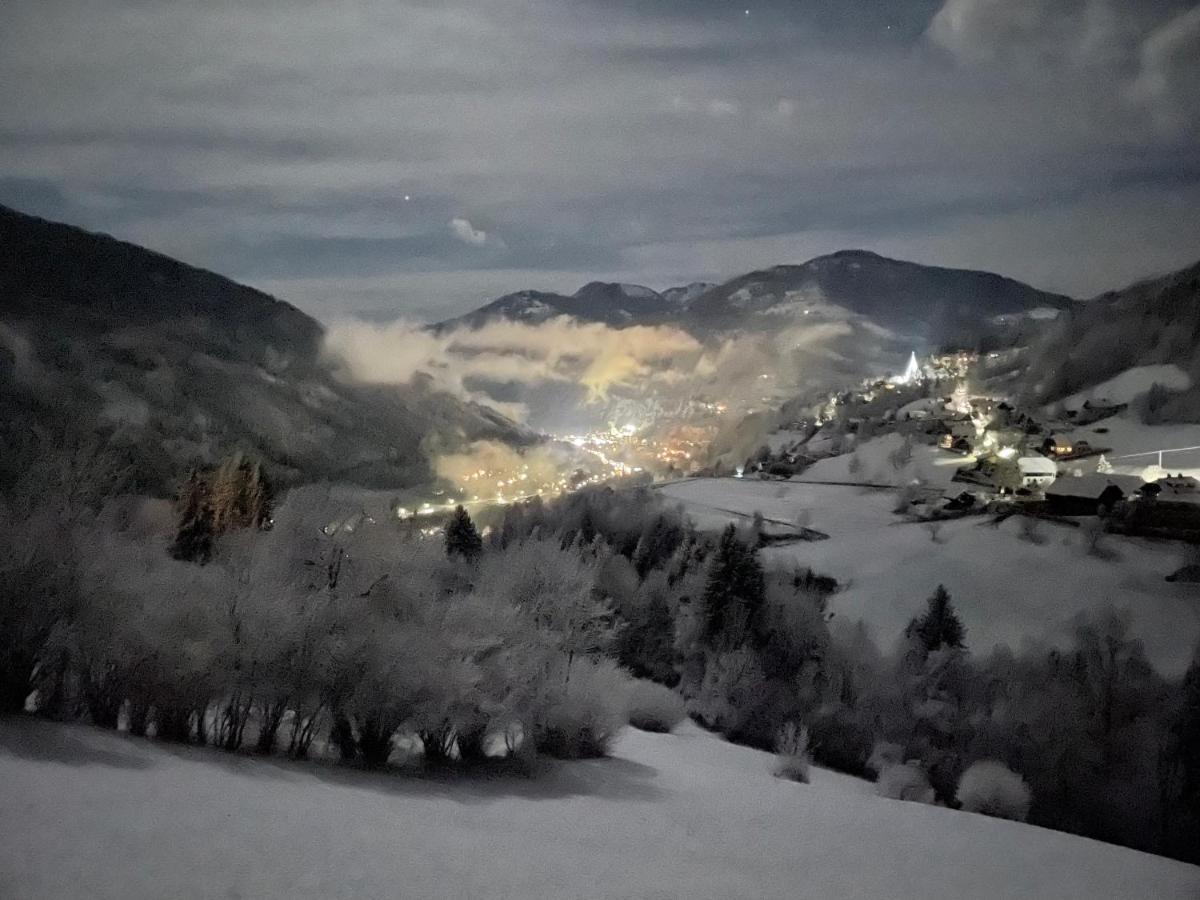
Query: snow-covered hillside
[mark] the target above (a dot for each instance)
(1007, 590)
(1131, 384)
(95, 815)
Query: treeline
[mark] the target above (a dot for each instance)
(314, 633)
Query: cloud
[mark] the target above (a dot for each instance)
(1168, 81)
(278, 147)
(1088, 33)
(591, 355)
(540, 465)
(468, 233)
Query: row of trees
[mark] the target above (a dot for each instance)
(303, 634)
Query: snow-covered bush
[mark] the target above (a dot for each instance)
(655, 707)
(791, 752)
(583, 711)
(904, 782)
(991, 788)
(884, 754)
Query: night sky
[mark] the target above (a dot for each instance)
(387, 158)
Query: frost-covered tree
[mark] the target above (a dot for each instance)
(991, 788)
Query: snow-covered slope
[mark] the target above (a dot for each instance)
(1008, 590)
(90, 814)
(1131, 384)
(684, 294)
(874, 460)
(1148, 324)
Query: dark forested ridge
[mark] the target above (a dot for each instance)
(1152, 322)
(102, 341)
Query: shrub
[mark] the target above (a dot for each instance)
(904, 782)
(991, 788)
(791, 749)
(653, 707)
(582, 715)
(883, 755)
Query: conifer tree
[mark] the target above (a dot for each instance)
(237, 494)
(939, 627)
(734, 593)
(462, 538)
(194, 536)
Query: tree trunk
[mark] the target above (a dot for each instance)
(15, 685)
(139, 717)
(271, 718)
(173, 723)
(103, 703)
(342, 734)
(374, 742)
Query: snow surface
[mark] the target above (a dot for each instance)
(637, 292)
(1125, 435)
(1007, 590)
(1131, 384)
(99, 816)
(930, 464)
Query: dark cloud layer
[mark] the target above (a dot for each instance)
(416, 157)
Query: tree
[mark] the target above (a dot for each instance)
(462, 537)
(194, 536)
(237, 494)
(939, 627)
(645, 645)
(734, 593)
(1185, 732)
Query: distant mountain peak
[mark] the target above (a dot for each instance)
(609, 290)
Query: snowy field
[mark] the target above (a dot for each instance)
(1131, 384)
(930, 464)
(1008, 590)
(91, 815)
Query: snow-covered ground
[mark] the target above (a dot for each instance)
(1126, 436)
(98, 816)
(1008, 590)
(1131, 384)
(931, 464)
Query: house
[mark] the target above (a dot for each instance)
(1096, 409)
(1037, 472)
(1090, 495)
(1057, 445)
(1176, 485)
(992, 472)
(956, 444)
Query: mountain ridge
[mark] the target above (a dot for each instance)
(931, 302)
(103, 340)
